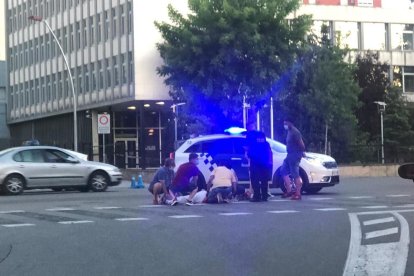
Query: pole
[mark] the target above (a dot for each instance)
(175, 125)
(258, 120)
(271, 118)
(103, 148)
(75, 119)
(382, 139)
(244, 112)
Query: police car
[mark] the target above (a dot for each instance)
(317, 170)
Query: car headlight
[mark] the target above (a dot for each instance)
(115, 169)
(312, 160)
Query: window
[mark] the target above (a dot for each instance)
(346, 34)
(85, 69)
(78, 35)
(114, 20)
(106, 25)
(116, 71)
(108, 74)
(101, 74)
(124, 68)
(130, 67)
(65, 39)
(122, 23)
(402, 37)
(408, 77)
(79, 79)
(129, 5)
(56, 156)
(374, 36)
(92, 31)
(85, 33)
(93, 76)
(34, 155)
(71, 38)
(98, 28)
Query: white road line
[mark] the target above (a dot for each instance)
(320, 198)
(385, 212)
(283, 212)
(242, 202)
(405, 206)
(150, 206)
(375, 207)
(106, 208)
(378, 221)
(381, 233)
(130, 219)
(377, 259)
(398, 195)
(75, 222)
(11, 212)
(279, 200)
(18, 225)
(360, 197)
(60, 209)
(185, 216)
(234, 214)
(330, 209)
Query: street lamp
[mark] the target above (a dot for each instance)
(381, 110)
(75, 123)
(175, 110)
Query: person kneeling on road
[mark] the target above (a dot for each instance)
(185, 180)
(161, 182)
(222, 183)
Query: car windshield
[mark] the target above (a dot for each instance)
(277, 146)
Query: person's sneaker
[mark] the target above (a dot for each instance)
(296, 197)
(286, 195)
(174, 202)
(189, 203)
(219, 198)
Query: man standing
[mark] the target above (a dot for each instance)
(295, 151)
(261, 163)
(185, 180)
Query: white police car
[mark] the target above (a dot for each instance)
(317, 170)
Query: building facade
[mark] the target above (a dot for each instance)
(112, 58)
(111, 51)
(383, 26)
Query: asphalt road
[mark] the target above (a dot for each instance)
(360, 227)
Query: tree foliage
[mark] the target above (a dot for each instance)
(323, 97)
(225, 50)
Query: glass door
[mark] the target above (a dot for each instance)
(126, 153)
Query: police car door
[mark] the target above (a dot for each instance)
(239, 162)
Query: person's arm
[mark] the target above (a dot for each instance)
(210, 182)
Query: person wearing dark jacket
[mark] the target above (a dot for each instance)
(261, 163)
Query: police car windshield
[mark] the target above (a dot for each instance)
(276, 146)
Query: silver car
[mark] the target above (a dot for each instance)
(38, 167)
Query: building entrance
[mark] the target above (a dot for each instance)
(126, 153)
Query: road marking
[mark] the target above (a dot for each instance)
(150, 206)
(320, 198)
(11, 212)
(243, 202)
(283, 212)
(375, 207)
(405, 206)
(185, 216)
(106, 208)
(378, 221)
(381, 233)
(75, 221)
(130, 219)
(398, 195)
(60, 209)
(330, 209)
(279, 200)
(377, 259)
(360, 197)
(234, 214)
(18, 225)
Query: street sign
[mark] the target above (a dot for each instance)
(104, 123)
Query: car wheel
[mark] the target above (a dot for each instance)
(305, 181)
(13, 185)
(98, 182)
(312, 190)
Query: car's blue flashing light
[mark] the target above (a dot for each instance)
(235, 130)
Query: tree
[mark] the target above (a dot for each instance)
(227, 50)
(323, 97)
(372, 77)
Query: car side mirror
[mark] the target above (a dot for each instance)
(406, 171)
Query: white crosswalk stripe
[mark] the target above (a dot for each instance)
(378, 221)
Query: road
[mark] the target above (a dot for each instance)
(362, 226)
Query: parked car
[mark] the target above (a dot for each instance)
(317, 170)
(406, 171)
(38, 167)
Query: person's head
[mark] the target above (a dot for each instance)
(250, 126)
(193, 158)
(287, 123)
(224, 163)
(169, 163)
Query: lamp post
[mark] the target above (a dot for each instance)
(381, 110)
(175, 110)
(75, 123)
